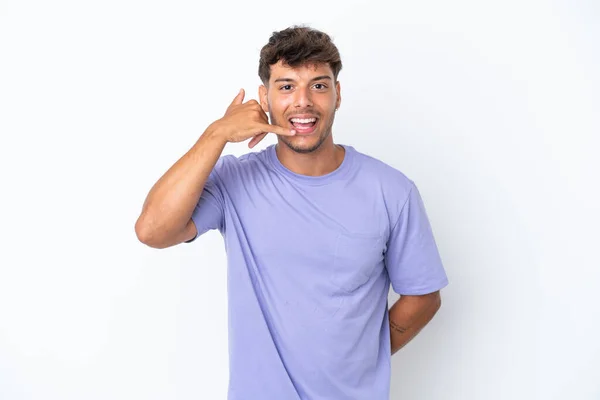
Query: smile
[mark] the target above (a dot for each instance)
(304, 125)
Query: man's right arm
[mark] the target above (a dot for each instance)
(166, 217)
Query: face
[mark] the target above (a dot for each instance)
(304, 99)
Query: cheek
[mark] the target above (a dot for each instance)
(281, 104)
(279, 99)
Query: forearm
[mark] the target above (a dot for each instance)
(409, 315)
(170, 203)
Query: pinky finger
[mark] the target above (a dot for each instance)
(256, 139)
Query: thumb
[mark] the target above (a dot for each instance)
(239, 98)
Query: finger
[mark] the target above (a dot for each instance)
(256, 139)
(239, 98)
(264, 116)
(277, 129)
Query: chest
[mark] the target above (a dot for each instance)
(333, 235)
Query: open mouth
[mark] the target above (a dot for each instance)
(304, 125)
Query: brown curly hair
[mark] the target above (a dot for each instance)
(297, 46)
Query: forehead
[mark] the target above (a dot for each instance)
(300, 73)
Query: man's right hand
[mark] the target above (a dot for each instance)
(243, 121)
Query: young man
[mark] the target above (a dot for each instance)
(315, 234)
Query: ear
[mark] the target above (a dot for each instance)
(338, 90)
(262, 95)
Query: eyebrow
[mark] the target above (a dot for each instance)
(317, 78)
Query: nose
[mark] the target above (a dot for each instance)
(303, 98)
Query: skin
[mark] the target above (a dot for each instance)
(165, 219)
(409, 315)
(309, 89)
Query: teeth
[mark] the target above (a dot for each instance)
(303, 120)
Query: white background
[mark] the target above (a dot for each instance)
(492, 108)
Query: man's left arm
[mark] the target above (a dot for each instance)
(409, 315)
(415, 270)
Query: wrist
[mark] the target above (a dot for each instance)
(216, 132)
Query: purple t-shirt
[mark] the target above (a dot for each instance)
(310, 263)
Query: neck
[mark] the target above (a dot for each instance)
(326, 159)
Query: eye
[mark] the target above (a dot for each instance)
(286, 87)
(320, 86)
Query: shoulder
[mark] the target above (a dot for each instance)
(232, 167)
(391, 179)
(389, 186)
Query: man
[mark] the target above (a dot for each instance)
(315, 234)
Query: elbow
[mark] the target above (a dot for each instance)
(147, 235)
(434, 301)
(437, 300)
(156, 235)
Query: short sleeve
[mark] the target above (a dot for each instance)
(412, 259)
(209, 212)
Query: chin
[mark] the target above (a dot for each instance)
(304, 146)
